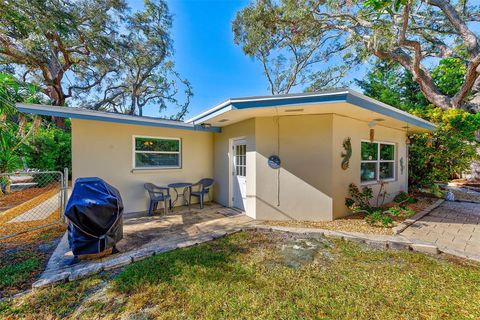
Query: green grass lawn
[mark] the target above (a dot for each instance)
(270, 276)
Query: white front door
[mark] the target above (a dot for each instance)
(239, 174)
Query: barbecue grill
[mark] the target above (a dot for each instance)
(95, 218)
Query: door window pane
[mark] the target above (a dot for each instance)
(240, 160)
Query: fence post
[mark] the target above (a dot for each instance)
(65, 191)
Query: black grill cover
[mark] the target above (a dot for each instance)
(95, 214)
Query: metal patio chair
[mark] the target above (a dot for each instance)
(204, 188)
(158, 194)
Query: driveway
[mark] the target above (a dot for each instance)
(453, 226)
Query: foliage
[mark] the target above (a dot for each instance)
(386, 216)
(360, 199)
(360, 202)
(451, 148)
(400, 31)
(403, 198)
(28, 140)
(434, 190)
(99, 52)
(14, 128)
(447, 152)
(379, 216)
(398, 211)
(290, 46)
(50, 149)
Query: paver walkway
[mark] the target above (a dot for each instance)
(452, 226)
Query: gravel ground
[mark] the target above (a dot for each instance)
(354, 222)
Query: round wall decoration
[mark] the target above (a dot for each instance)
(274, 162)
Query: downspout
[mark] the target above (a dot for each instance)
(278, 154)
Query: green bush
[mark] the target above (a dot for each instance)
(448, 151)
(398, 211)
(404, 198)
(379, 216)
(360, 199)
(359, 202)
(50, 150)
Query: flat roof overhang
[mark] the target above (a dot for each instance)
(342, 102)
(87, 114)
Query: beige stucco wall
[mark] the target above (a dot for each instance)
(301, 188)
(344, 127)
(311, 184)
(104, 149)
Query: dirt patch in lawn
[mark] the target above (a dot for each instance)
(23, 258)
(355, 222)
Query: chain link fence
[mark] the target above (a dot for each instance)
(31, 200)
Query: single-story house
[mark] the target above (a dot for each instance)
(275, 157)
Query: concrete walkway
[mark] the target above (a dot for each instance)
(453, 226)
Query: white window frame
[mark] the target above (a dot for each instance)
(378, 161)
(179, 152)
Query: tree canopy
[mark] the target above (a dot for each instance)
(414, 34)
(451, 148)
(96, 51)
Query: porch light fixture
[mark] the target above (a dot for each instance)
(407, 141)
(372, 124)
(205, 125)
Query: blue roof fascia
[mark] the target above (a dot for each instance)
(389, 111)
(290, 101)
(247, 104)
(215, 113)
(126, 120)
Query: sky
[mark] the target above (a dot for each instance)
(206, 55)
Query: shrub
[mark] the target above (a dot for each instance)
(50, 150)
(379, 216)
(404, 198)
(359, 201)
(445, 153)
(398, 211)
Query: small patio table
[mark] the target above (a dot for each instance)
(186, 186)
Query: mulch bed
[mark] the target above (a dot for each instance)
(37, 245)
(13, 199)
(354, 222)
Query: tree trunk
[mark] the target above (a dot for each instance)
(55, 93)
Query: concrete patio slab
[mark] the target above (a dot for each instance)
(145, 236)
